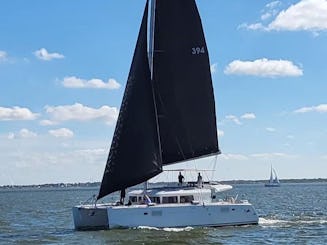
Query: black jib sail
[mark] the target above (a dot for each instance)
(134, 154)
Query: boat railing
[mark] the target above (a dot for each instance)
(196, 184)
(91, 200)
(233, 200)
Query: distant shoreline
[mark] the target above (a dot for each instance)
(97, 184)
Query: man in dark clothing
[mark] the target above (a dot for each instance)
(122, 196)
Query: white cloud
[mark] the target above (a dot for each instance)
(74, 82)
(32, 164)
(43, 54)
(272, 155)
(252, 27)
(220, 133)
(270, 10)
(25, 133)
(94, 152)
(16, 113)
(48, 123)
(234, 119)
(322, 108)
(3, 56)
(213, 68)
(264, 68)
(248, 116)
(61, 133)
(260, 156)
(265, 16)
(80, 112)
(239, 157)
(270, 129)
(11, 136)
(307, 15)
(273, 4)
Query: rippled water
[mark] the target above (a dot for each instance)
(291, 214)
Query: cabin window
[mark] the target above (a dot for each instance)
(133, 198)
(172, 199)
(155, 199)
(185, 199)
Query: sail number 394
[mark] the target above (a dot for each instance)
(198, 50)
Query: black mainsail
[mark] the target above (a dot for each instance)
(184, 93)
(171, 117)
(134, 155)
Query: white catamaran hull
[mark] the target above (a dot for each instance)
(164, 215)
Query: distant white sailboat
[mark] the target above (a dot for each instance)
(273, 181)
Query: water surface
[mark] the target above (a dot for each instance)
(292, 214)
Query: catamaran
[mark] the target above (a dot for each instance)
(167, 116)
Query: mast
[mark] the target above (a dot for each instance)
(150, 58)
(151, 54)
(151, 34)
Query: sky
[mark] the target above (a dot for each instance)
(64, 65)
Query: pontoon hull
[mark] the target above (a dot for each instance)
(164, 215)
(88, 217)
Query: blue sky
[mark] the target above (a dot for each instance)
(64, 64)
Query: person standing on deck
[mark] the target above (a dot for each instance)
(199, 181)
(122, 196)
(180, 179)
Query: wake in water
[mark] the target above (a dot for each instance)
(298, 221)
(168, 229)
(270, 222)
